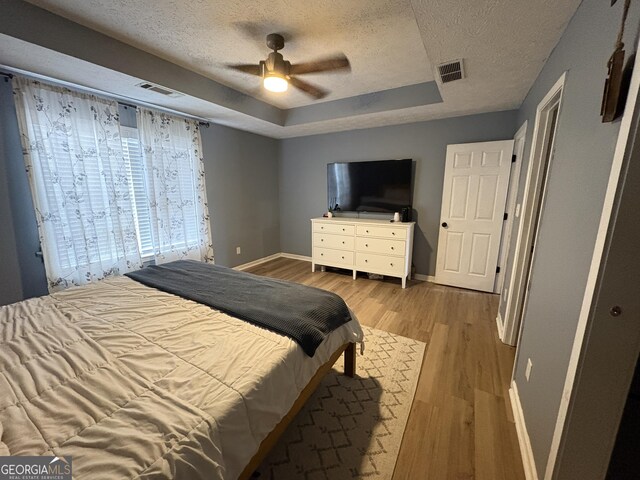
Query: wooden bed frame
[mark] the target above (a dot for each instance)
(269, 442)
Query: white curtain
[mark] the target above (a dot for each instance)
(172, 152)
(79, 181)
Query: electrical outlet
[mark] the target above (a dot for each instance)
(517, 210)
(527, 372)
(238, 251)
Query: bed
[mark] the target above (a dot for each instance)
(134, 382)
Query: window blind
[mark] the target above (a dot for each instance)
(76, 174)
(133, 155)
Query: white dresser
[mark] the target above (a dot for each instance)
(372, 246)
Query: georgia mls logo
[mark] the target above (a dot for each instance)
(35, 468)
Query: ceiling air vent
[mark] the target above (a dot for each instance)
(152, 87)
(451, 71)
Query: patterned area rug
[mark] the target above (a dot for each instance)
(352, 427)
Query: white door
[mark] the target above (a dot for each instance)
(476, 180)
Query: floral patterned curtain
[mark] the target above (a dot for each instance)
(79, 181)
(174, 166)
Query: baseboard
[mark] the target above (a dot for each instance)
(423, 278)
(262, 260)
(259, 261)
(526, 452)
(500, 326)
(295, 256)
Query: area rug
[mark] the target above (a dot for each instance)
(352, 427)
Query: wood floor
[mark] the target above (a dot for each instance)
(461, 425)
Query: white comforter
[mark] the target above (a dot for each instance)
(133, 382)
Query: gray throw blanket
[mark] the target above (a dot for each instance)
(304, 314)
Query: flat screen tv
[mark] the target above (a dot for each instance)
(375, 186)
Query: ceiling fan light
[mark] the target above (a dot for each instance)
(275, 83)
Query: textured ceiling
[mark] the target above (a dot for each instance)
(380, 37)
(504, 44)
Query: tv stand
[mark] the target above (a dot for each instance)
(365, 245)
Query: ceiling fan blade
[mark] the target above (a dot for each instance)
(307, 88)
(340, 62)
(251, 69)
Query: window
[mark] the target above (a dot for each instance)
(184, 193)
(75, 177)
(67, 175)
(108, 196)
(133, 155)
(178, 196)
(176, 186)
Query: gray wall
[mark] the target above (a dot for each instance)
(303, 172)
(577, 182)
(21, 272)
(242, 189)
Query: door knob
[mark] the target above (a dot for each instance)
(445, 224)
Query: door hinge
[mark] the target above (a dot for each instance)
(497, 269)
(506, 215)
(513, 158)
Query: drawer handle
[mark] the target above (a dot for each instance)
(322, 254)
(367, 231)
(343, 242)
(343, 229)
(366, 244)
(392, 248)
(343, 258)
(322, 239)
(366, 261)
(393, 233)
(391, 264)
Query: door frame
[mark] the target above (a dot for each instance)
(519, 141)
(577, 422)
(533, 189)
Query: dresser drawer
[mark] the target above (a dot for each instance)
(381, 231)
(381, 245)
(328, 227)
(328, 256)
(370, 262)
(328, 240)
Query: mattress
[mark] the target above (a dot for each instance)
(137, 383)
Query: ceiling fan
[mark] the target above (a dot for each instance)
(277, 73)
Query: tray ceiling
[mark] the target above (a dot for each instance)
(393, 47)
(381, 38)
